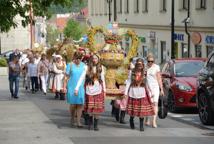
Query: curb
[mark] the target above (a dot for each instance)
(195, 124)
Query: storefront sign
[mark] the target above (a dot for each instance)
(179, 37)
(196, 38)
(209, 39)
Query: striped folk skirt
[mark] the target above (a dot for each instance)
(94, 103)
(140, 107)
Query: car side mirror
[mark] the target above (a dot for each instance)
(166, 75)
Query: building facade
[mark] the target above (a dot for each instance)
(151, 19)
(18, 38)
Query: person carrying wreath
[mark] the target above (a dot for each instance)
(95, 91)
(139, 102)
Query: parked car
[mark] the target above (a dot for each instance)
(179, 82)
(7, 54)
(205, 92)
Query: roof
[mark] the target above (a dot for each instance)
(61, 22)
(84, 11)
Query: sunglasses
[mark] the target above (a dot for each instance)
(150, 61)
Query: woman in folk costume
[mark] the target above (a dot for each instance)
(95, 91)
(59, 69)
(139, 102)
(120, 104)
(74, 82)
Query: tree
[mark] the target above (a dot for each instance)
(74, 30)
(9, 9)
(52, 35)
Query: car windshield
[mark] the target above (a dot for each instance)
(188, 69)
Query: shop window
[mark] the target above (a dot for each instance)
(120, 6)
(198, 51)
(200, 4)
(136, 6)
(163, 5)
(145, 51)
(209, 49)
(126, 6)
(144, 6)
(184, 50)
(163, 51)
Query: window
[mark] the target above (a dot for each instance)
(184, 50)
(105, 7)
(144, 6)
(200, 4)
(145, 51)
(136, 6)
(183, 4)
(198, 51)
(162, 5)
(163, 51)
(209, 49)
(120, 6)
(126, 6)
(92, 7)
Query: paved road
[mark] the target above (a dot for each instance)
(51, 124)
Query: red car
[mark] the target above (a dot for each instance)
(179, 82)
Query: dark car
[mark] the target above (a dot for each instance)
(205, 92)
(7, 54)
(179, 82)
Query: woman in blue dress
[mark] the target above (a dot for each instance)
(74, 83)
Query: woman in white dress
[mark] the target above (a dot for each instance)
(155, 84)
(59, 68)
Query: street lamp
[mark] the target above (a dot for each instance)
(172, 30)
(186, 22)
(109, 6)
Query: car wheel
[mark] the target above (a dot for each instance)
(205, 113)
(171, 102)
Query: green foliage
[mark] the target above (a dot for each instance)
(52, 34)
(11, 8)
(3, 62)
(74, 30)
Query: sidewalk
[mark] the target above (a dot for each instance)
(22, 122)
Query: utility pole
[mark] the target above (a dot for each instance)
(115, 10)
(172, 30)
(109, 6)
(188, 17)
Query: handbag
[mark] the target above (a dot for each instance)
(162, 107)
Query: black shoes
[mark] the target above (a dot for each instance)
(96, 124)
(117, 114)
(131, 122)
(90, 122)
(141, 124)
(62, 96)
(122, 116)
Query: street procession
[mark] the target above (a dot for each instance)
(84, 75)
(106, 71)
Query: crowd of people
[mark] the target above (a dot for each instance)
(83, 86)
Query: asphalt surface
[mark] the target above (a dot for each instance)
(51, 124)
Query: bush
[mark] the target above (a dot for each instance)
(3, 62)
